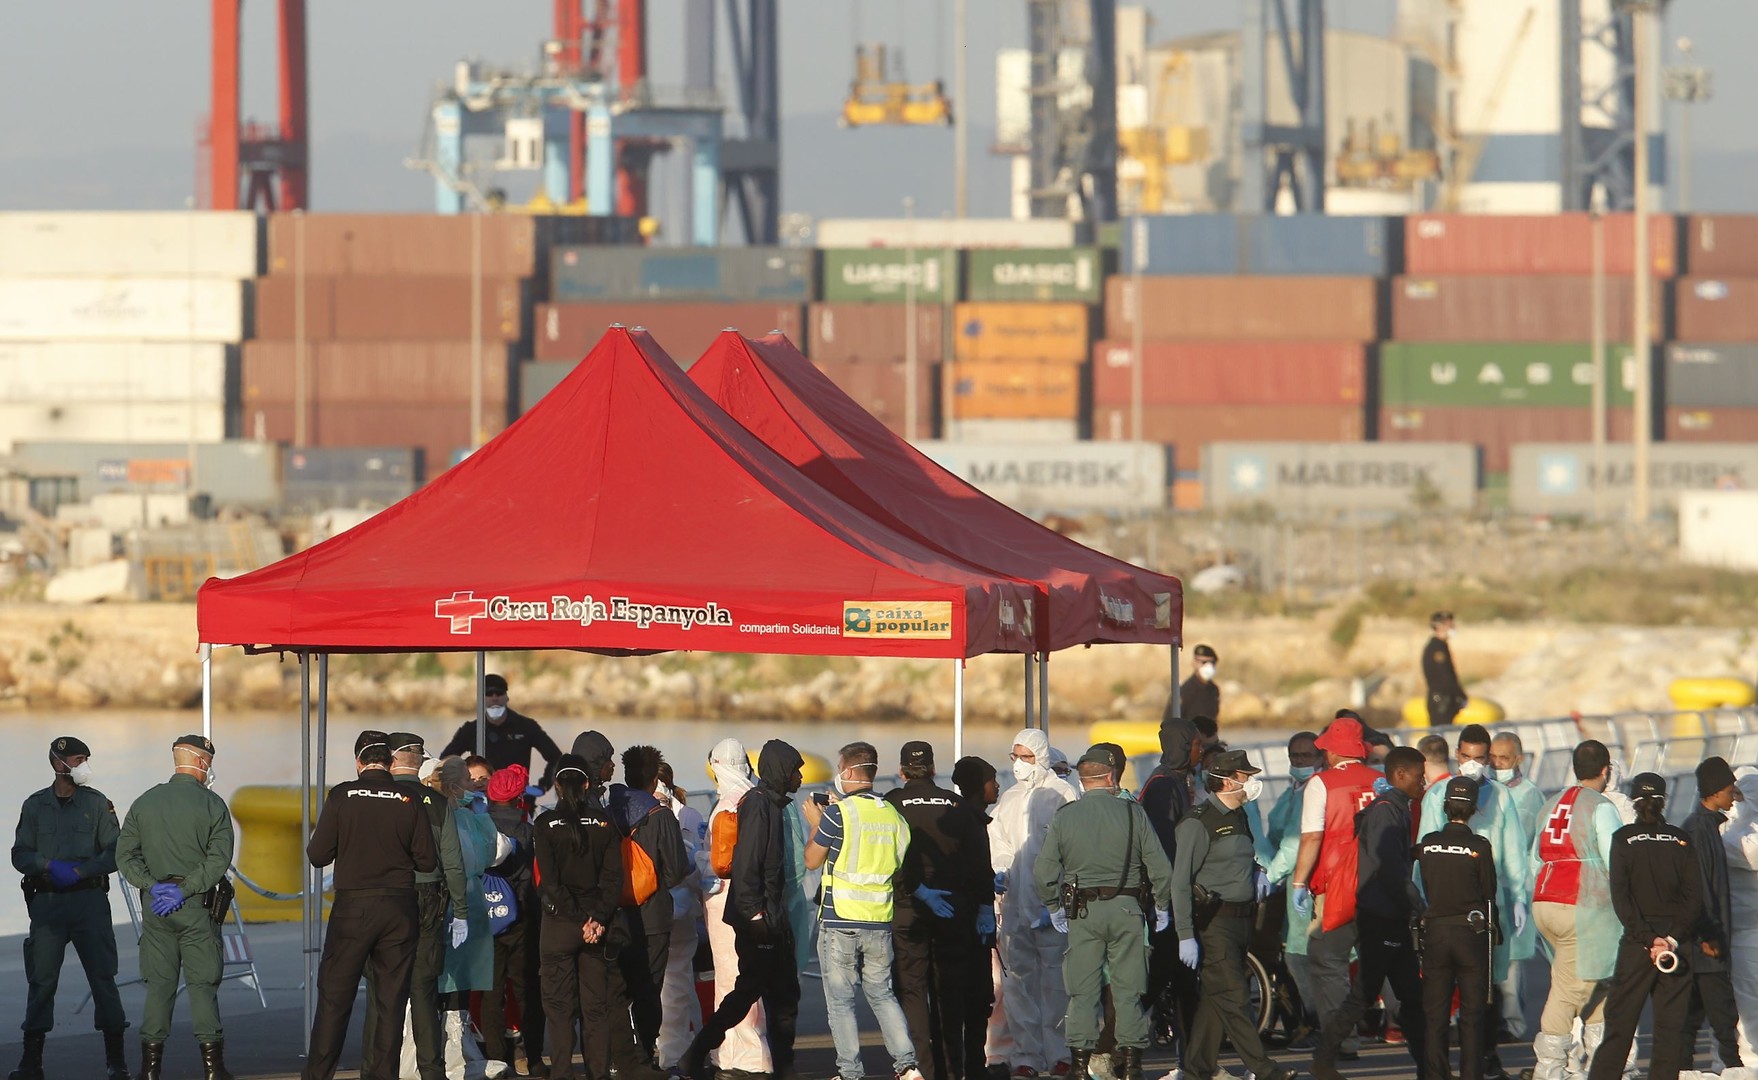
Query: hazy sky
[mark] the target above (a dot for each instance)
(106, 94)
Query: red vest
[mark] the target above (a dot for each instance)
(1348, 790)
(1559, 873)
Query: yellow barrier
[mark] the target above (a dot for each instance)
(1135, 736)
(271, 849)
(816, 769)
(1711, 694)
(1476, 711)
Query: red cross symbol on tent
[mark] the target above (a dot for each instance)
(463, 609)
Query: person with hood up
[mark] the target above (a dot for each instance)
(1168, 795)
(1031, 949)
(1063, 771)
(756, 908)
(745, 1047)
(986, 1043)
(1740, 841)
(1712, 992)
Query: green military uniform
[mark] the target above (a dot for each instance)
(1104, 845)
(178, 832)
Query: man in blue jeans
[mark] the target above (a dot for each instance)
(860, 840)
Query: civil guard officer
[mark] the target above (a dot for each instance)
(176, 848)
(66, 849)
(1103, 875)
(1458, 929)
(379, 838)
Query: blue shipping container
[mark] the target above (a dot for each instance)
(611, 273)
(1184, 245)
(1318, 244)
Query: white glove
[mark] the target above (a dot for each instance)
(1059, 919)
(1519, 916)
(460, 931)
(1162, 919)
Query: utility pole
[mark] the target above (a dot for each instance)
(1688, 84)
(911, 378)
(961, 150)
(1599, 375)
(1642, 15)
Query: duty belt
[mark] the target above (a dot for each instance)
(1133, 892)
(1455, 920)
(1236, 909)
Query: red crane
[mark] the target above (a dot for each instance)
(243, 161)
(583, 53)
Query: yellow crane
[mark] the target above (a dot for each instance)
(1162, 137)
(1468, 152)
(875, 97)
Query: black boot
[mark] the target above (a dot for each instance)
(152, 1059)
(1131, 1063)
(213, 1061)
(1080, 1063)
(30, 1064)
(115, 1058)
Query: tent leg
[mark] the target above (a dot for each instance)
(1030, 664)
(308, 987)
(320, 786)
(482, 704)
(1044, 692)
(958, 709)
(1177, 702)
(207, 692)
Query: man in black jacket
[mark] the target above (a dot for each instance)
(756, 909)
(1712, 990)
(1167, 797)
(511, 735)
(979, 789)
(1445, 696)
(1199, 695)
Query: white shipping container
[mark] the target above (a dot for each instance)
(123, 309)
(1719, 528)
(144, 244)
(1031, 432)
(947, 233)
(62, 372)
(111, 421)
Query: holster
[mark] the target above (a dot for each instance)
(31, 885)
(218, 900)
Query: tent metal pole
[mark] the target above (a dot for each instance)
(1177, 696)
(207, 691)
(482, 704)
(958, 709)
(1044, 692)
(321, 786)
(1030, 664)
(309, 985)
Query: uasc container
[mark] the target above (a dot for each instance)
(890, 275)
(1492, 374)
(1074, 274)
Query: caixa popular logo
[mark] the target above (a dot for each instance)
(920, 619)
(464, 608)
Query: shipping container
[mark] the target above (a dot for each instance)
(684, 331)
(1070, 274)
(1017, 432)
(1319, 244)
(1450, 374)
(1717, 309)
(1495, 430)
(1721, 244)
(1246, 309)
(511, 245)
(1189, 428)
(1340, 476)
(68, 371)
(277, 314)
(124, 309)
(539, 377)
(880, 385)
(391, 308)
(1537, 308)
(1711, 375)
(391, 372)
(682, 273)
(947, 233)
(436, 429)
(887, 275)
(234, 473)
(1533, 244)
(1184, 245)
(1227, 373)
(1732, 424)
(316, 478)
(108, 421)
(152, 243)
(1080, 476)
(1059, 332)
(854, 331)
(1016, 390)
(1552, 477)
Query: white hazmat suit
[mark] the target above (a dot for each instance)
(746, 1048)
(1740, 838)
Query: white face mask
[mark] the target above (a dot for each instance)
(495, 712)
(840, 783)
(1471, 770)
(1207, 671)
(1253, 787)
(1024, 771)
(80, 774)
(663, 793)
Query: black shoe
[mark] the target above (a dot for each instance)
(1348, 1055)
(1130, 1059)
(152, 1058)
(30, 1063)
(694, 1063)
(213, 1061)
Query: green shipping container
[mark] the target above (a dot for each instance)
(1423, 373)
(884, 274)
(1076, 274)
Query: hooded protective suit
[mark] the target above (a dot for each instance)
(1031, 949)
(746, 1048)
(1498, 821)
(1740, 839)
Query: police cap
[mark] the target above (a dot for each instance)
(404, 740)
(917, 753)
(1462, 790)
(494, 684)
(67, 746)
(199, 742)
(369, 739)
(1647, 786)
(1228, 762)
(1205, 652)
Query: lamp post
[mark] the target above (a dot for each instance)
(1688, 84)
(1642, 14)
(910, 376)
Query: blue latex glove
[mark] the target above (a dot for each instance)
(1059, 919)
(1001, 883)
(986, 925)
(1162, 919)
(63, 873)
(1260, 885)
(1188, 954)
(167, 898)
(1046, 919)
(939, 901)
(534, 791)
(1302, 897)
(460, 931)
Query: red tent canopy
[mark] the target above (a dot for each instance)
(778, 394)
(625, 512)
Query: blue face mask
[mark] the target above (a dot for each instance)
(1300, 774)
(1505, 776)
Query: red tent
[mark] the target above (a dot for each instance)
(769, 387)
(625, 512)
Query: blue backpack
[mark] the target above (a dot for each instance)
(503, 902)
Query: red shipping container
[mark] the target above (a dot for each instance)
(349, 244)
(1188, 428)
(440, 430)
(1247, 373)
(427, 309)
(1533, 244)
(853, 331)
(683, 330)
(1511, 309)
(1245, 308)
(881, 387)
(277, 306)
(1717, 309)
(1721, 244)
(1712, 425)
(1496, 429)
(367, 373)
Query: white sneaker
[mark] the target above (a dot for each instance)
(1099, 1067)
(911, 1073)
(1175, 1074)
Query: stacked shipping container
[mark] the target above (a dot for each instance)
(1712, 374)
(859, 332)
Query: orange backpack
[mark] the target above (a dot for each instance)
(723, 836)
(640, 881)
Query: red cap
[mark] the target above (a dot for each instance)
(1343, 737)
(508, 784)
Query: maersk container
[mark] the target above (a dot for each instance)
(1339, 476)
(1323, 245)
(947, 233)
(106, 421)
(124, 309)
(1711, 375)
(154, 243)
(888, 274)
(67, 371)
(1075, 274)
(1184, 245)
(1452, 374)
(685, 273)
(237, 472)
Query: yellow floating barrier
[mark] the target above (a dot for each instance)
(271, 849)
(1476, 711)
(1135, 736)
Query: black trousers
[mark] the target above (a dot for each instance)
(767, 974)
(1632, 982)
(370, 930)
(643, 961)
(424, 1003)
(581, 983)
(1712, 996)
(1386, 955)
(1166, 971)
(979, 1005)
(1223, 1007)
(517, 956)
(932, 960)
(1453, 957)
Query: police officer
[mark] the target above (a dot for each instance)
(1200, 695)
(433, 889)
(66, 849)
(1090, 874)
(1657, 891)
(935, 940)
(1445, 696)
(511, 735)
(379, 839)
(176, 848)
(1216, 884)
(1458, 927)
(978, 789)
